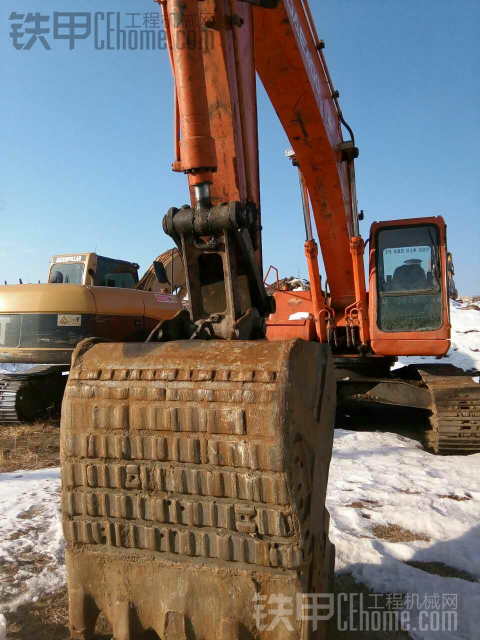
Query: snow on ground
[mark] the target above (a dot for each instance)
(406, 485)
(10, 367)
(31, 535)
(300, 315)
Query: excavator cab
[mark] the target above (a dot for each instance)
(92, 269)
(408, 287)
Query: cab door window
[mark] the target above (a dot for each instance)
(409, 278)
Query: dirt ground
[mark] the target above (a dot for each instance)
(46, 619)
(29, 446)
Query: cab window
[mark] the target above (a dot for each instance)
(67, 273)
(115, 273)
(409, 281)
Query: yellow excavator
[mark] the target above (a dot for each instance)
(86, 295)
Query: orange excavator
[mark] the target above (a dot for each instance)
(195, 465)
(404, 313)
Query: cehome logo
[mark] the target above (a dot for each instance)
(70, 259)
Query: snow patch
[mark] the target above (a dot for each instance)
(10, 367)
(30, 529)
(401, 484)
(300, 315)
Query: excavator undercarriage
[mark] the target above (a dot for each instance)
(28, 395)
(446, 393)
(455, 409)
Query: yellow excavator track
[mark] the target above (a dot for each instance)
(194, 476)
(28, 395)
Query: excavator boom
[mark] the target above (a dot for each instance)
(291, 56)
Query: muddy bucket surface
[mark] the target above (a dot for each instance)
(194, 477)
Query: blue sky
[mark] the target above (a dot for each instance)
(86, 135)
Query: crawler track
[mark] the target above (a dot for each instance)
(455, 409)
(27, 395)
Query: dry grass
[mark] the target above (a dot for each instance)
(31, 512)
(12, 574)
(365, 504)
(33, 563)
(46, 619)
(29, 446)
(452, 496)
(394, 533)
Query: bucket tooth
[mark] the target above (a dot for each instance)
(82, 615)
(121, 621)
(174, 626)
(230, 629)
(200, 493)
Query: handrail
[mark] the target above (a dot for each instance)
(276, 270)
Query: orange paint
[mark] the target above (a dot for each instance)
(217, 117)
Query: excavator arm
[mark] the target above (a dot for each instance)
(216, 96)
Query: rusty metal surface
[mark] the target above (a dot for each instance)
(226, 293)
(456, 409)
(188, 471)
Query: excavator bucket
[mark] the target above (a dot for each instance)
(194, 476)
